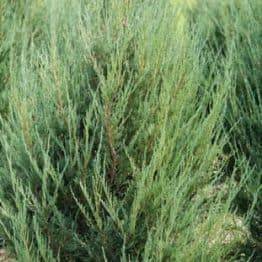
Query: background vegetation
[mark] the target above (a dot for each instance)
(131, 130)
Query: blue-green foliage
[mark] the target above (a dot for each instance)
(130, 130)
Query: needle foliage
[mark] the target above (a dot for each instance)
(130, 130)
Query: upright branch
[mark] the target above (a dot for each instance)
(111, 142)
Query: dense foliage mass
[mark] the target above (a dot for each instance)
(130, 130)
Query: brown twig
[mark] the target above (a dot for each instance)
(110, 138)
